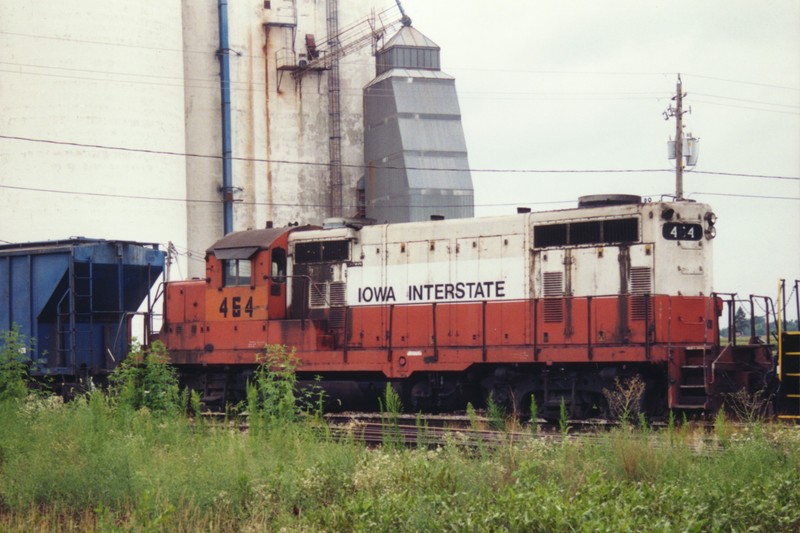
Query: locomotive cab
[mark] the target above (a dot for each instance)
(247, 274)
(246, 288)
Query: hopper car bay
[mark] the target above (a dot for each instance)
(552, 305)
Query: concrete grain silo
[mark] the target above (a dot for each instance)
(296, 73)
(91, 99)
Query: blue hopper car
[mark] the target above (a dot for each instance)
(76, 298)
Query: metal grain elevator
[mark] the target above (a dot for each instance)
(414, 148)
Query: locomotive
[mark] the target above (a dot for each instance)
(550, 307)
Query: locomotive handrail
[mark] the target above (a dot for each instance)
(767, 329)
(647, 326)
(731, 314)
(146, 325)
(304, 301)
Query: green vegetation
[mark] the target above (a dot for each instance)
(15, 364)
(107, 462)
(273, 398)
(391, 407)
(743, 326)
(145, 380)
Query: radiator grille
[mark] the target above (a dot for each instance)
(641, 280)
(336, 317)
(337, 294)
(553, 284)
(318, 295)
(641, 288)
(553, 290)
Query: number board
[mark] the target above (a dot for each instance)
(237, 303)
(677, 231)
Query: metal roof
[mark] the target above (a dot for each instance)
(243, 244)
(411, 37)
(34, 247)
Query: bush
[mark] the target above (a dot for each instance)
(273, 395)
(625, 399)
(145, 379)
(15, 365)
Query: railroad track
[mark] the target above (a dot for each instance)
(429, 431)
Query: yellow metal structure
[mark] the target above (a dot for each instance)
(788, 365)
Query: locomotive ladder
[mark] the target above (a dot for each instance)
(788, 363)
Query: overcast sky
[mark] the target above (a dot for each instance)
(577, 85)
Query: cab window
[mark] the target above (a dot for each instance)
(278, 271)
(236, 272)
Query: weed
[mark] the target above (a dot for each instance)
(472, 416)
(15, 365)
(495, 414)
(722, 429)
(423, 431)
(273, 397)
(145, 379)
(625, 399)
(748, 406)
(391, 407)
(534, 415)
(563, 418)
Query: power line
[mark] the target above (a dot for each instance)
(739, 174)
(494, 95)
(318, 164)
(201, 201)
(743, 82)
(295, 204)
(745, 107)
(731, 195)
(389, 167)
(212, 85)
(746, 100)
(386, 11)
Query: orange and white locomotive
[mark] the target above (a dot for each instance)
(553, 305)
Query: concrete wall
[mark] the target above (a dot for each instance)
(280, 124)
(145, 75)
(92, 72)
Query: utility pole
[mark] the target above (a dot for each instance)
(678, 112)
(679, 140)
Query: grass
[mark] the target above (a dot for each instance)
(89, 466)
(132, 460)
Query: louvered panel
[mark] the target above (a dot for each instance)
(553, 310)
(318, 295)
(641, 280)
(336, 317)
(553, 283)
(641, 284)
(553, 290)
(337, 294)
(337, 291)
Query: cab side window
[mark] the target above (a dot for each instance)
(236, 272)
(278, 271)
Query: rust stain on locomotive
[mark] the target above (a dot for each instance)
(622, 332)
